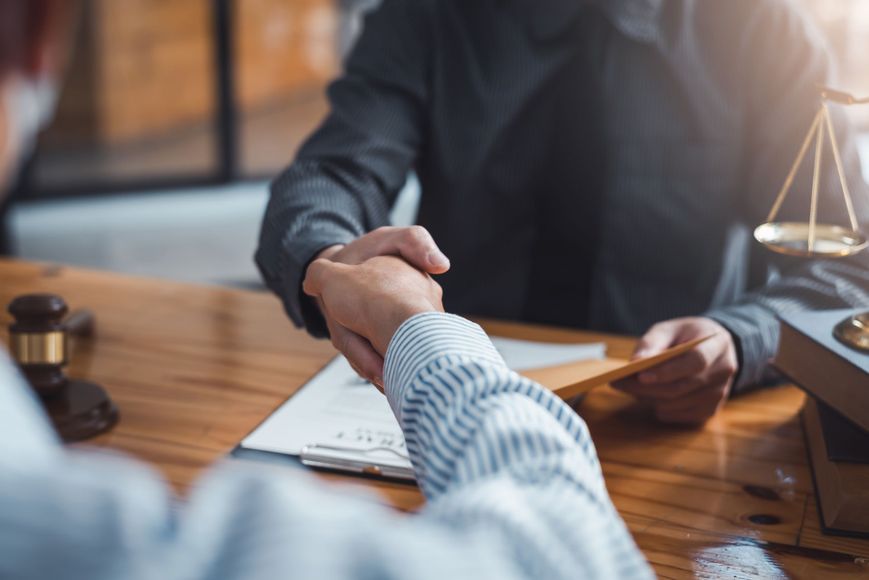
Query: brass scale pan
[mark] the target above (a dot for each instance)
(812, 239)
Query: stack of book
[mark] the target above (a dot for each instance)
(835, 415)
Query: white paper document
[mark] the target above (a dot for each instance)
(340, 421)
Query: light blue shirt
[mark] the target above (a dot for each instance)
(513, 485)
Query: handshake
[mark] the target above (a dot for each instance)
(368, 288)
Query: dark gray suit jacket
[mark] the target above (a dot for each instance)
(595, 164)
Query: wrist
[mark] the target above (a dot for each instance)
(401, 314)
(425, 338)
(329, 253)
(725, 332)
(325, 254)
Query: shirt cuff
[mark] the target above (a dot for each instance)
(755, 331)
(283, 271)
(429, 336)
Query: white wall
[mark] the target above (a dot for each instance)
(191, 235)
(195, 235)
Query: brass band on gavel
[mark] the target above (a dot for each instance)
(39, 348)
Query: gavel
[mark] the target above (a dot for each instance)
(40, 343)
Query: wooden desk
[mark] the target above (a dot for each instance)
(194, 369)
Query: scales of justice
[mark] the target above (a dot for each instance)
(819, 240)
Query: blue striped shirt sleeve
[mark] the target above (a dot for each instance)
(494, 449)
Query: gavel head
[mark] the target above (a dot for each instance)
(38, 340)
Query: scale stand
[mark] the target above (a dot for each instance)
(814, 240)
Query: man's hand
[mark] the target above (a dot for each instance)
(415, 245)
(371, 300)
(691, 388)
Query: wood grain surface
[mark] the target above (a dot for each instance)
(194, 369)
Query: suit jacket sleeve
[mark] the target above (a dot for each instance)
(348, 174)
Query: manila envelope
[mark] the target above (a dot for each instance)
(572, 379)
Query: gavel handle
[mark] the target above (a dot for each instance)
(81, 323)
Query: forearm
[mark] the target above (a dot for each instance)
(496, 451)
(815, 285)
(348, 173)
(313, 206)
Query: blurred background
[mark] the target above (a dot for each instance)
(176, 114)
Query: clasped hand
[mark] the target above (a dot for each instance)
(366, 289)
(692, 387)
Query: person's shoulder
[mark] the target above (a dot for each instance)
(755, 34)
(402, 17)
(786, 9)
(434, 8)
(785, 22)
(748, 9)
(394, 42)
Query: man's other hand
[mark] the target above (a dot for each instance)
(369, 301)
(692, 387)
(413, 244)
